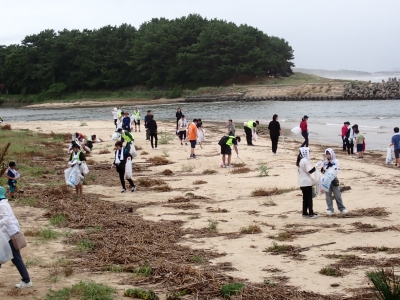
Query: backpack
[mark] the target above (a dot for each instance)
(223, 140)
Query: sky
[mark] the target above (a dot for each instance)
(357, 35)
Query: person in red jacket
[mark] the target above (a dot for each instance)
(304, 130)
(344, 132)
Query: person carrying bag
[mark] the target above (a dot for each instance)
(10, 228)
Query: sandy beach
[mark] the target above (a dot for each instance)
(227, 199)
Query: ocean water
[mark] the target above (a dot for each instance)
(376, 119)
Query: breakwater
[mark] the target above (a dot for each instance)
(389, 90)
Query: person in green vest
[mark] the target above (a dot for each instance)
(77, 157)
(136, 118)
(249, 128)
(127, 137)
(119, 110)
(226, 150)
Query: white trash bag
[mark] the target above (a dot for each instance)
(200, 136)
(73, 176)
(128, 168)
(254, 137)
(326, 180)
(84, 168)
(390, 155)
(317, 178)
(296, 130)
(115, 136)
(133, 151)
(5, 249)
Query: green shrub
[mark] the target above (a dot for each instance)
(231, 289)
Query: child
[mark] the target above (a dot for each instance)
(12, 176)
(331, 162)
(360, 143)
(77, 157)
(306, 182)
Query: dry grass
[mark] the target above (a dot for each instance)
(6, 127)
(268, 202)
(91, 162)
(209, 172)
(331, 271)
(104, 151)
(144, 153)
(199, 182)
(32, 232)
(241, 170)
(163, 188)
(178, 199)
(370, 212)
(291, 234)
(137, 147)
(167, 172)
(158, 161)
(147, 182)
(250, 229)
(262, 192)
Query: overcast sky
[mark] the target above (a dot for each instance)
(325, 34)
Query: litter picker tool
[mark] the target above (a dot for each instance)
(283, 141)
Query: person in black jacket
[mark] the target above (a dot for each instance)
(121, 155)
(274, 132)
(152, 126)
(178, 116)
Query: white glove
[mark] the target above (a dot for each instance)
(238, 156)
(318, 164)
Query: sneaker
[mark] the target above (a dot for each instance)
(24, 285)
(275, 154)
(305, 216)
(229, 166)
(314, 216)
(329, 213)
(343, 212)
(156, 148)
(133, 189)
(123, 191)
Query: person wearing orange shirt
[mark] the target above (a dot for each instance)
(192, 136)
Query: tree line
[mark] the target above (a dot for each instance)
(161, 53)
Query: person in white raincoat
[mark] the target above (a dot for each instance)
(9, 226)
(330, 161)
(306, 182)
(77, 157)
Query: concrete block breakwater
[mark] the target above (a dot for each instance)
(310, 92)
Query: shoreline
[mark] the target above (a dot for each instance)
(105, 103)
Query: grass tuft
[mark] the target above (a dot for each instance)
(158, 160)
(387, 284)
(6, 127)
(276, 248)
(263, 170)
(268, 202)
(187, 168)
(141, 294)
(85, 245)
(197, 259)
(212, 225)
(84, 290)
(47, 234)
(250, 229)
(231, 289)
(167, 172)
(58, 220)
(330, 271)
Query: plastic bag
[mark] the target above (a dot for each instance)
(128, 168)
(317, 178)
(5, 249)
(254, 137)
(84, 168)
(115, 136)
(132, 150)
(200, 135)
(326, 180)
(390, 155)
(73, 176)
(296, 130)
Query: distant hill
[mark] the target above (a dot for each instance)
(351, 74)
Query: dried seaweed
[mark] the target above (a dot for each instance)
(369, 212)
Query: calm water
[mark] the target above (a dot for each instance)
(376, 119)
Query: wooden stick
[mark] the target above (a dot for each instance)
(319, 245)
